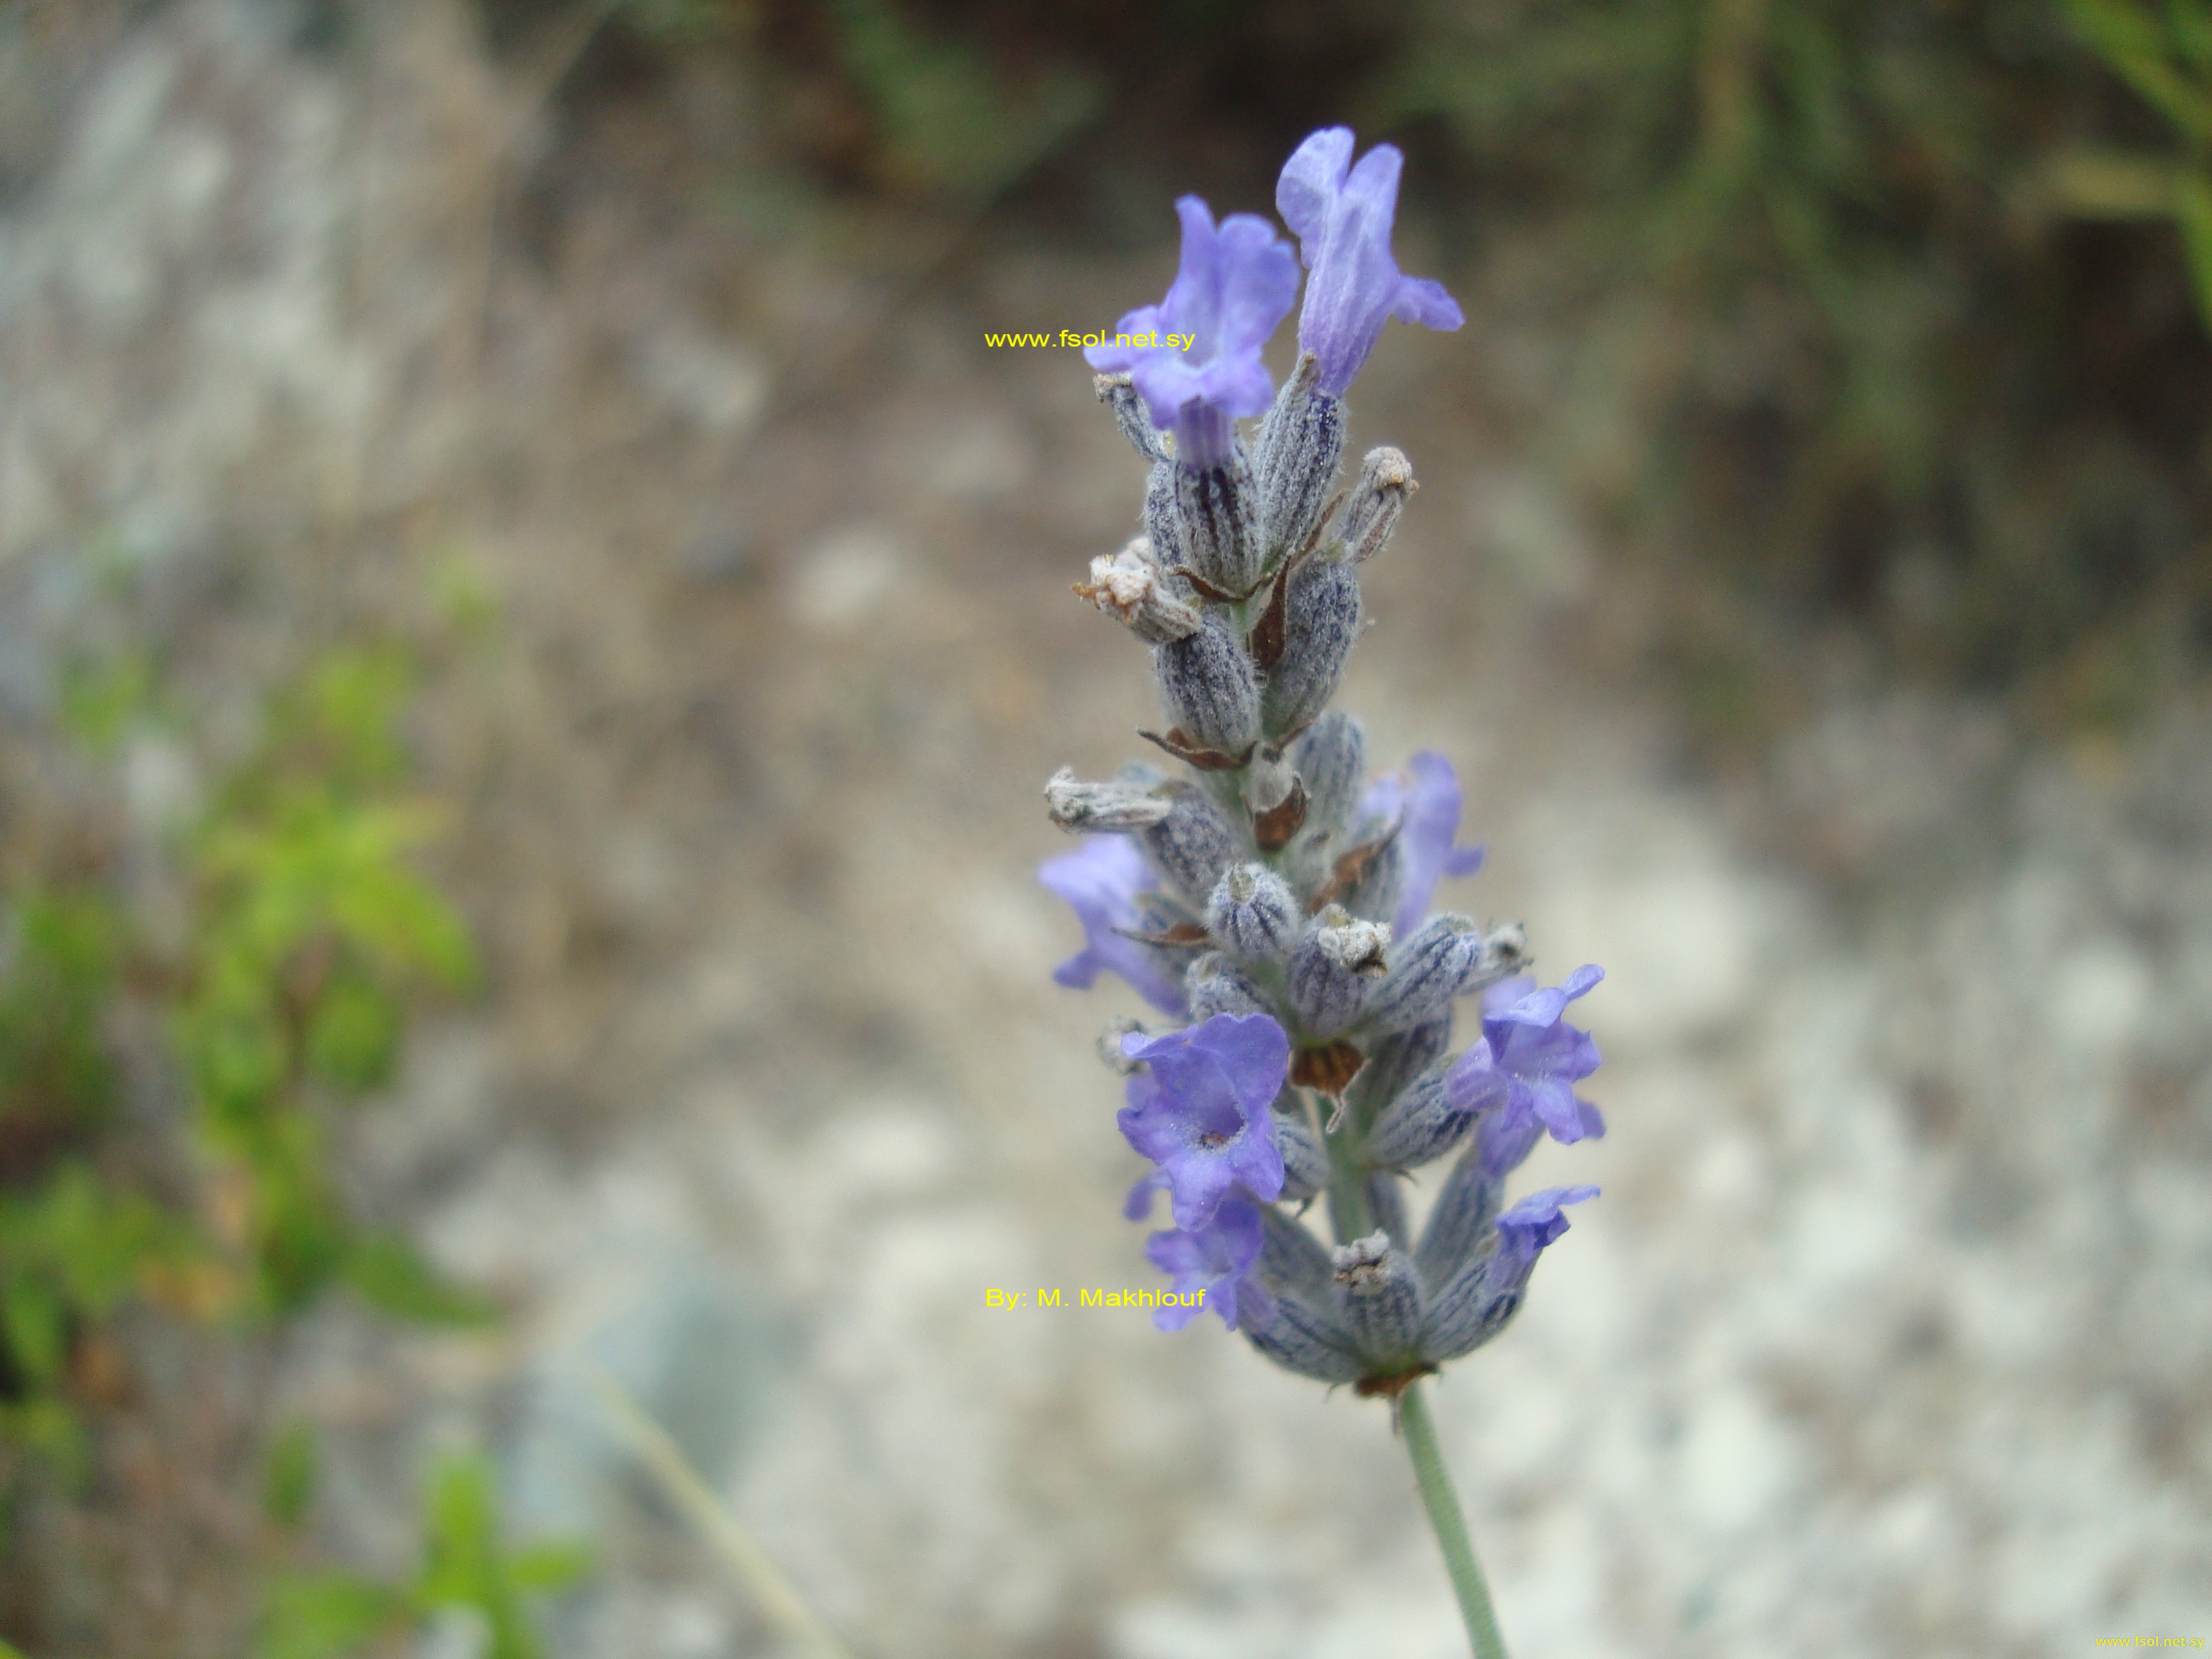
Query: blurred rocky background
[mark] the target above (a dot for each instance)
(531, 627)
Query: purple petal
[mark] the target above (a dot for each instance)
(1343, 221)
(1536, 1219)
(1218, 1259)
(1138, 1206)
(1202, 1111)
(1234, 282)
(1431, 809)
(1423, 302)
(1475, 1082)
(1100, 881)
(1525, 1230)
(1310, 181)
(1252, 1051)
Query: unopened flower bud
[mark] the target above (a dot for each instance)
(1478, 1301)
(1358, 947)
(1215, 985)
(1216, 507)
(1333, 970)
(1162, 528)
(1381, 1296)
(1331, 756)
(1459, 1221)
(1447, 958)
(1120, 394)
(1386, 479)
(1386, 1204)
(1208, 690)
(1115, 807)
(1310, 1340)
(1308, 1335)
(1254, 914)
(1422, 1124)
(1132, 586)
(1305, 1159)
(1192, 845)
(1393, 1064)
(1295, 459)
(1320, 624)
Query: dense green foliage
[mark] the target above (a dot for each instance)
(468, 1571)
(196, 1179)
(309, 932)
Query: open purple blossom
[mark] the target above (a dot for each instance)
(1100, 881)
(1426, 798)
(1520, 1078)
(1200, 1111)
(1342, 215)
(1234, 284)
(1524, 1230)
(1215, 1260)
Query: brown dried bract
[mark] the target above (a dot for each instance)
(1351, 866)
(1183, 932)
(1206, 590)
(1389, 1387)
(1329, 1068)
(1270, 633)
(1273, 827)
(1177, 742)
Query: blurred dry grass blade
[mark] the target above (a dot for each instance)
(665, 1460)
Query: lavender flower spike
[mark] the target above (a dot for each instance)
(1342, 215)
(1215, 1262)
(1203, 1111)
(1427, 800)
(1520, 1077)
(1100, 881)
(1235, 284)
(1294, 896)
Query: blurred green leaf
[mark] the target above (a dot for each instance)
(290, 1475)
(102, 700)
(391, 1276)
(951, 121)
(326, 1615)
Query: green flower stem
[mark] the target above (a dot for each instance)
(1347, 1178)
(1442, 1504)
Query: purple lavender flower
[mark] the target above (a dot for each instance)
(1524, 1230)
(1218, 1260)
(1233, 286)
(1100, 881)
(1427, 796)
(1342, 215)
(1520, 1077)
(1201, 1111)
